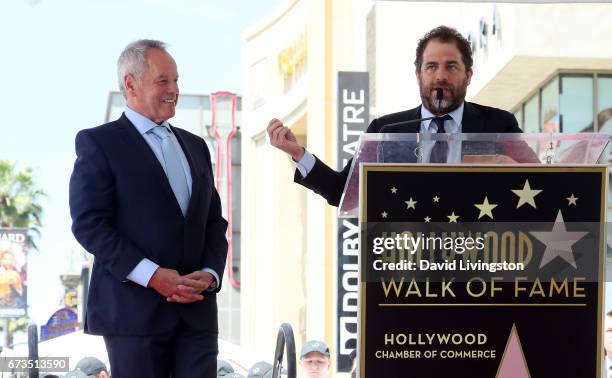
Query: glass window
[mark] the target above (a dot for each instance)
(604, 103)
(549, 114)
(576, 103)
(531, 116)
(236, 150)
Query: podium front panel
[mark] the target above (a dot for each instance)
(482, 270)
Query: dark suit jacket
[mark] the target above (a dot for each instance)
(476, 119)
(123, 210)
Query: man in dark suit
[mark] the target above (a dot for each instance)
(443, 70)
(143, 202)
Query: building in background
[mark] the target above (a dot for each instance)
(216, 118)
(550, 64)
(291, 60)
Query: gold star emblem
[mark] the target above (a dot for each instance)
(410, 204)
(384, 214)
(436, 199)
(485, 208)
(394, 190)
(572, 200)
(526, 195)
(452, 218)
(427, 219)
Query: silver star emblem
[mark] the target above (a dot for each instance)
(558, 242)
(394, 190)
(436, 199)
(384, 215)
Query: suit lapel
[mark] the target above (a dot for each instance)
(133, 138)
(408, 115)
(472, 121)
(414, 114)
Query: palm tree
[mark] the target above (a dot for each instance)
(19, 208)
(19, 200)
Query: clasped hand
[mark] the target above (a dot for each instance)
(181, 289)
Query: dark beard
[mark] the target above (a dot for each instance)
(447, 105)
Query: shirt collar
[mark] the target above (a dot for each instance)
(456, 115)
(142, 123)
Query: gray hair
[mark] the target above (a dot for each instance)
(133, 59)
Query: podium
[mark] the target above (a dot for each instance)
(488, 264)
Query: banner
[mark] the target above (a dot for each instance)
(353, 118)
(13, 272)
(62, 322)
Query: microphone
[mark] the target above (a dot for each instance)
(439, 96)
(382, 129)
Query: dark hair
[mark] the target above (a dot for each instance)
(445, 34)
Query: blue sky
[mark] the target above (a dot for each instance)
(58, 64)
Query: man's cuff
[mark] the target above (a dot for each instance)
(305, 164)
(143, 272)
(215, 284)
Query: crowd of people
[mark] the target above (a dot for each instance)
(314, 361)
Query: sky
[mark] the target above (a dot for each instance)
(58, 63)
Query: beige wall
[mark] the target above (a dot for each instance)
(288, 245)
(273, 276)
(273, 238)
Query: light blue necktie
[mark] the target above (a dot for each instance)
(174, 168)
